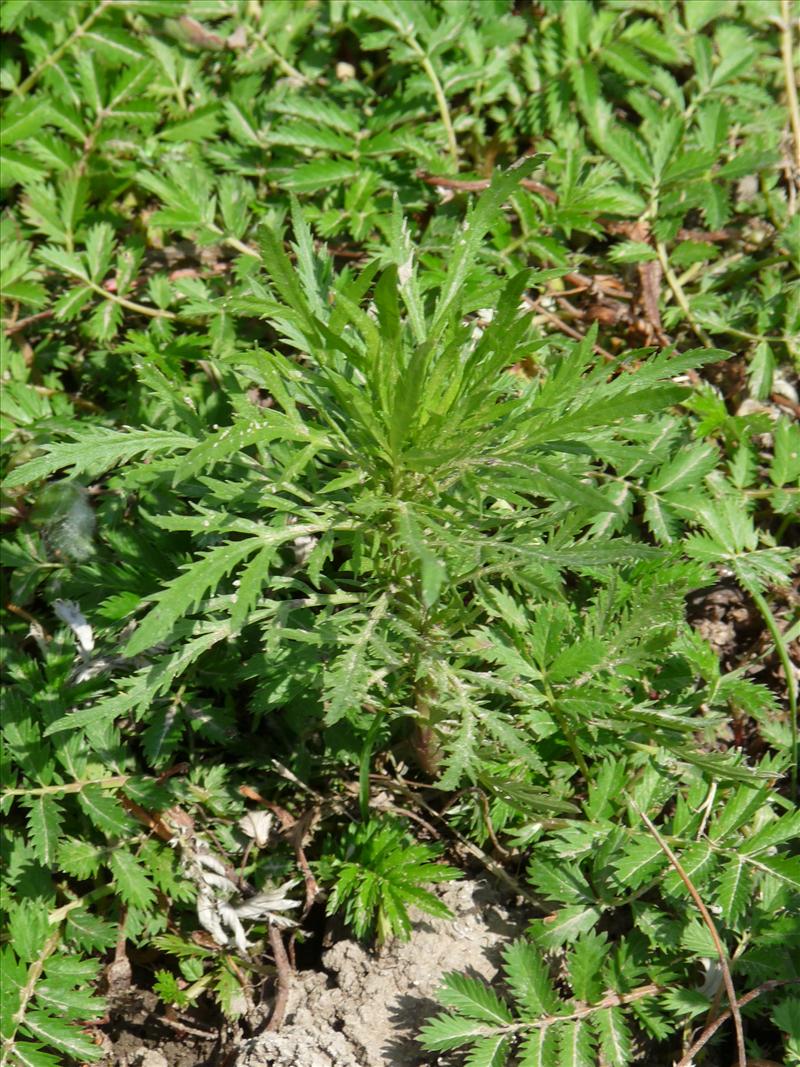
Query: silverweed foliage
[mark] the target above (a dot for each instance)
(385, 385)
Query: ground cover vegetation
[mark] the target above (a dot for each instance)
(401, 472)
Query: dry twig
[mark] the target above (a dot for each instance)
(711, 1029)
(706, 915)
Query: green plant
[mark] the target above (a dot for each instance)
(376, 873)
(665, 970)
(285, 517)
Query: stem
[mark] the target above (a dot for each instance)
(281, 62)
(679, 294)
(786, 662)
(791, 84)
(610, 1000)
(54, 57)
(706, 915)
(131, 305)
(284, 979)
(444, 110)
(68, 787)
(570, 737)
(441, 100)
(711, 1029)
(27, 991)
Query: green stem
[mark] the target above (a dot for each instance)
(444, 109)
(54, 57)
(786, 662)
(441, 100)
(131, 305)
(789, 75)
(68, 787)
(679, 294)
(569, 736)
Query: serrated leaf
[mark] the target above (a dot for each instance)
(61, 1035)
(614, 1035)
(584, 962)
(474, 999)
(566, 925)
(104, 810)
(96, 452)
(449, 1031)
(180, 596)
(529, 980)
(489, 1052)
(576, 1044)
(130, 878)
(44, 824)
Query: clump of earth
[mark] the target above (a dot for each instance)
(364, 1008)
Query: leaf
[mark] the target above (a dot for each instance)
(489, 1052)
(614, 1036)
(96, 452)
(131, 880)
(474, 999)
(566, 925)
(785, 828)
(447, 1031)
(433, 572)
(685, 470)
(576, 1044)
(61, 1035)
(104, 811)
(733, 892)
(311, 177)
(561, 882)
(184, 593)
(44, 824)
(478, 221)
(540, 1049)
(529, 980)
(585, 961)
(347, 682)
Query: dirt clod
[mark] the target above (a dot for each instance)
(365, 1009)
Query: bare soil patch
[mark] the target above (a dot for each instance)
(364, 1008)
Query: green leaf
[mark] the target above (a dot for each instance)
(576, 1044)
(474, 999)
(447, 1031)
(529, 980)
(130, 879)
(733, 892)
(614, 1035)
(104, 811)
(97, 451)
(474, 229)
(585, 961)
(61, 1035)
(44, 824)
(489, 1052)
(184, 593)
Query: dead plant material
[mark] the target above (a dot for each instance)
(706, 916)
(284, 979)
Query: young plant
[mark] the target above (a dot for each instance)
(377, 872)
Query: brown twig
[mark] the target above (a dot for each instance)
(712, 1028)
(706, 915)
(570, 331)
(284, 979)
(183, 1028)
(21, 324)
(295, 830)
(477, 185)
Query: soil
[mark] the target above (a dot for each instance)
(137, 1035)
(363, 1009)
